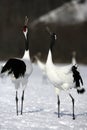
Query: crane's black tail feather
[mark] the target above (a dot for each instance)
(80, 90)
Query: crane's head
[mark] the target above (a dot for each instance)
(25, 28)
(53, 37)
(25, 32)
(52, 34)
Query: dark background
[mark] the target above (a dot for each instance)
(12, 14)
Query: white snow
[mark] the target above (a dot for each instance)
(40, 106)
(70, 13)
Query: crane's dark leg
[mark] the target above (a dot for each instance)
(22, 99)
(16, 98)
(58, 106)
(73, 106)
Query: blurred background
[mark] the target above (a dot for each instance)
(67, 18)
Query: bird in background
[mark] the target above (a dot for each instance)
(41, 66)
(74, 62)
(62, 78)
(20, 69)
(38, 61)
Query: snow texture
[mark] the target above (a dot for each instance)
(40, 105)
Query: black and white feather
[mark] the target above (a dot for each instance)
(15, 67)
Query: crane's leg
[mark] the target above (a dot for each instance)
(58, 106)
(16, 98)
(73, 106)
(22, 99)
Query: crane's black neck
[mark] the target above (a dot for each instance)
(52, 41)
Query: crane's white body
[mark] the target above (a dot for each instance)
(60, 77)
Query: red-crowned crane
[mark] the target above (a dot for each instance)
(19, 69)
(62, 78)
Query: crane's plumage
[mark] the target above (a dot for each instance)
(14, 66)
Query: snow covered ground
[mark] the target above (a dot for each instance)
(40, 106)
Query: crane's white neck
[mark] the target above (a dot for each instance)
(49, 58)
(26, 55)
(73, 61)
(74, 58)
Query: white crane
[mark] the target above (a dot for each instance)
(19, 69)
(63, 78)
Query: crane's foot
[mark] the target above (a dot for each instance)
(73, 117)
